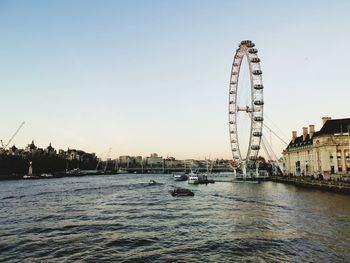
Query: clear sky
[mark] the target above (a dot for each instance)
(152, 76)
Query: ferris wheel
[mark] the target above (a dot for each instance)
(254, 109)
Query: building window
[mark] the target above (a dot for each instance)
(338, 155)
(297, 167)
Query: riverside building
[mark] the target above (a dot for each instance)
(323, 152)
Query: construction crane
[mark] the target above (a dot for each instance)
(12, 137)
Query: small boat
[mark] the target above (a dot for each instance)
(75, 172)
(180, 177)
(45, 175)
(152, 182)
(181, 192)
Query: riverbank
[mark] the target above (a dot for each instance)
(324, 185)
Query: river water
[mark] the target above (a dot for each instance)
(120, 218)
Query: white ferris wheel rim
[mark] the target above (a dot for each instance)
(255, 109)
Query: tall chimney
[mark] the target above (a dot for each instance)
(324, 119)
(304, 133)
(312, 130)
(294, 135)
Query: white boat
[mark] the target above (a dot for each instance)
(180, 177)
(75, 172)
(193, 178)
(45, 175)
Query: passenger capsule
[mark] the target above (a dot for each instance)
(252, 158)
(246, 42)
(231, 102)
(233, 141)
(255, 147)
(232, 92)
(232, 112)
(257, 134)
(233, 82)
(255, 60)
(258, 118)
(234, 73)
(259, 102)
(258, 86)
(232, 122)
(234, 149)
(253, 51)
(257, 72)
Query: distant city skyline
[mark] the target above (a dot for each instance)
(153, 76)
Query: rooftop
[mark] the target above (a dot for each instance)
(330, 127)
(335, 126)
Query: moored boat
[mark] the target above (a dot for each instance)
(75, 172)
(46, 175)
(193, 178)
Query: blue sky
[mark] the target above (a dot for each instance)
(152, 76)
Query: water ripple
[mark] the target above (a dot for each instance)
(123, 219)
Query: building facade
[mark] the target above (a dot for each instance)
(323, 152)
(154, 160)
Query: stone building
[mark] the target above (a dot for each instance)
(130, 161)
(171, 162)
(323, 152)
(154, 160)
